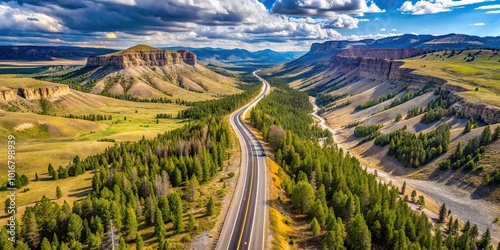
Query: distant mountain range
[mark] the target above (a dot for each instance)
(267, 56)
(46, 53)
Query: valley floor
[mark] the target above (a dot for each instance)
(461, 202)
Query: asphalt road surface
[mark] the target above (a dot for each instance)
(244, 227)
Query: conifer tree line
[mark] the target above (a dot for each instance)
(145, 182)
(91, 117)
(348, 208)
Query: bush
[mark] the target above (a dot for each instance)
(230, 175)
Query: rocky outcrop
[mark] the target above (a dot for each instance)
(480, 111)
(46, 92)
(43, 92)
(8, 95)
(143, 55)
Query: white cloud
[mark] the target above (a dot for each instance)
(422, 7)
(25, 20)
(383, 29)
(488, 7)
(364, 19)
(477, 24)
(342, 21)
(324, 7)
(394, 30)
(493, 12)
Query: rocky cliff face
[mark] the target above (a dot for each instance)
(143, 56)
(46, 92)
(379, 64)
(8, 95)
(480, 111)
(389, 54)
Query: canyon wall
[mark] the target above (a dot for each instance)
(143, 58)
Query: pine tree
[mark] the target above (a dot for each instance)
(59, 192)
(159, 224)
(131, 224)
(496, 134)
(442, 213)
(315, 227)
(474, 232)
(413, 195)
(358, 234)
(50, 169)
(403, 188)
(486, 135)
(46, 244)
(485, 242)
(175, 202)
(192, 188)
(36, 177)
(191, 222)
(75, 226)
(303, 196)
(210, 207)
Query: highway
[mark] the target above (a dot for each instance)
(244, 226)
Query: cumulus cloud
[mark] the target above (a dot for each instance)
(493, 12)
(477, 24)
(324, 7)
(394, 30)
(383, 29)
(422, 7)
(342, 21)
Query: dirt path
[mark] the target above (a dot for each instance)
(461, 203)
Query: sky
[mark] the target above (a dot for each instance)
(282, 25)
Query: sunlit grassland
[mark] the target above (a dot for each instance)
(44, 139)
(469, 70)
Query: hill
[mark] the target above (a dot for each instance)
(144, 72)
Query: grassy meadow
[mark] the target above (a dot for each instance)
(468, 69)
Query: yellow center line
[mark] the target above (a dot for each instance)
(248, 204)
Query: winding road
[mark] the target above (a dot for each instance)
(244, 226)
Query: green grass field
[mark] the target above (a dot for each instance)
(469, 69)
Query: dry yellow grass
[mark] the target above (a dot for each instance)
(281, 224)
